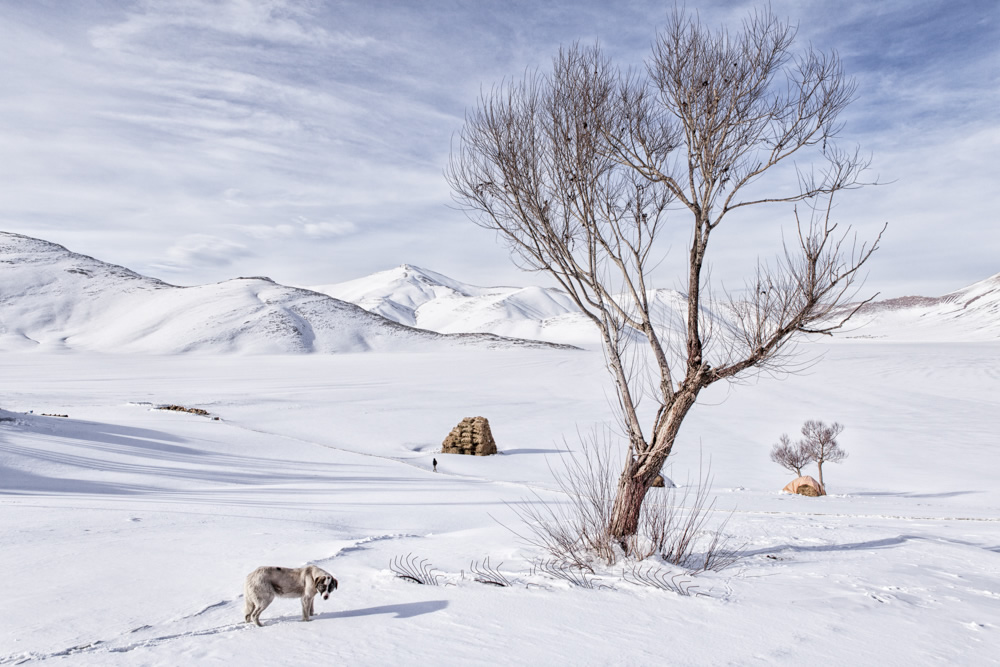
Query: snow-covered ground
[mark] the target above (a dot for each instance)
(126, 531)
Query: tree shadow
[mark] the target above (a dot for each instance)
(15, 482)
(884, 543)
(909, 494)
(404, 610)
(72, 451)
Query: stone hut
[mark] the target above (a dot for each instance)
(472, 436)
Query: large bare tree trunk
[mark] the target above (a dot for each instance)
(625, 515)
(638, 476)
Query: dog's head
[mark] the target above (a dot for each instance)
(326, 585)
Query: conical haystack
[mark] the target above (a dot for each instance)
(472, 436)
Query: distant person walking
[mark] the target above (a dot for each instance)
(435, 465)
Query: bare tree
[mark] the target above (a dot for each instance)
(820, 441)
(789, 456)
(577, 170)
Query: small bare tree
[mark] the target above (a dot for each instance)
(577, 169)
(789, 456)
(820, 442)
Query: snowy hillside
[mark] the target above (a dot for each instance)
(52, 297)
(418, 297)
(972, 313)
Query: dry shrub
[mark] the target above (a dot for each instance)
(577, 531)
(574, 532)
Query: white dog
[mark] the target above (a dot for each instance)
(264, 583)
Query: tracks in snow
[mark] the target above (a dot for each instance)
(151, 636)
(114, 645)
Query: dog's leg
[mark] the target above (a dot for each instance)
(255, 615)
(260, 605)
(250, 604)
(307, 606)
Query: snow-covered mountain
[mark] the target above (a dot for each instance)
(418, 297)
(53, 297)
(968, 314)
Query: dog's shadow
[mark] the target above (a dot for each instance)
(405, 610)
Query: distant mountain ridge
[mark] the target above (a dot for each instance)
(418, 297)
(50, 296)
(423, 298)
(968, 314)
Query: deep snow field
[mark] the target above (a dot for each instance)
(126, 532)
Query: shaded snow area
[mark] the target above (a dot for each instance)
(127, 531)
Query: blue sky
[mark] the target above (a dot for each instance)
(200, 141)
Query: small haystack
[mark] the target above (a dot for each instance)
(805, 486)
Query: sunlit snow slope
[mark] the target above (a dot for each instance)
(971, 313)
(55, 298)
(418, 297)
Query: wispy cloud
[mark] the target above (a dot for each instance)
(306, 140)
(200, 251)
(300, 229)
(272, 21)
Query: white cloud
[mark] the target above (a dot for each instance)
(327, 230)
(200, 250)
(268, 232)
(301, 228)
(270, 20)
